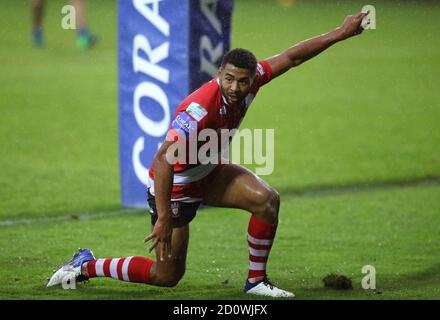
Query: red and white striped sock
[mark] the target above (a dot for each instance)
(260, 238)
(131, 269)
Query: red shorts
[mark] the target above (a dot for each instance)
(193, 191)
(185, 199)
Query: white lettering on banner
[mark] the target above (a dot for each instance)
(152, 14)
(147, 89)
(209, 8)
(151, 90)
(140, 171)
(155, 55)
(209, 66)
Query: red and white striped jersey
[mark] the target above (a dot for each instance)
(208, 108)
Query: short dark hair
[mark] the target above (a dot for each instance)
(241, 58)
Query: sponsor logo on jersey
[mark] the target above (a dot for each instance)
(196, 111)
(222, 110)
(184, 124)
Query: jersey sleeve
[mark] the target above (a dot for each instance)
(189, 118)
(264, 72)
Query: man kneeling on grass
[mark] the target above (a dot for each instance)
(176, 190)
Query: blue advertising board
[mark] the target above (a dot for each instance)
(166, 50)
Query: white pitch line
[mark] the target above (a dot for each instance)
(72, 217)
(323, 191)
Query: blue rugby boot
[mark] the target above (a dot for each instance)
(72, 269)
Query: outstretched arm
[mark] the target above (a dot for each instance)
(307, 49)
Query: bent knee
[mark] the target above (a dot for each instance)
(169, 280)
(268, 205)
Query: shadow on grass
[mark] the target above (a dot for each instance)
(322, 190)
(425, 278)
(388, 287)
(310, 191)
(125, 291)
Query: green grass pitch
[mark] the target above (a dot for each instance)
(357, 157)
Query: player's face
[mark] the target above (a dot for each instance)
(235, 82)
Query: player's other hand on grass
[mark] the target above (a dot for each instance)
(352, 25)
(162, 233)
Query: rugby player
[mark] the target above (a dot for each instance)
(176, 190)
